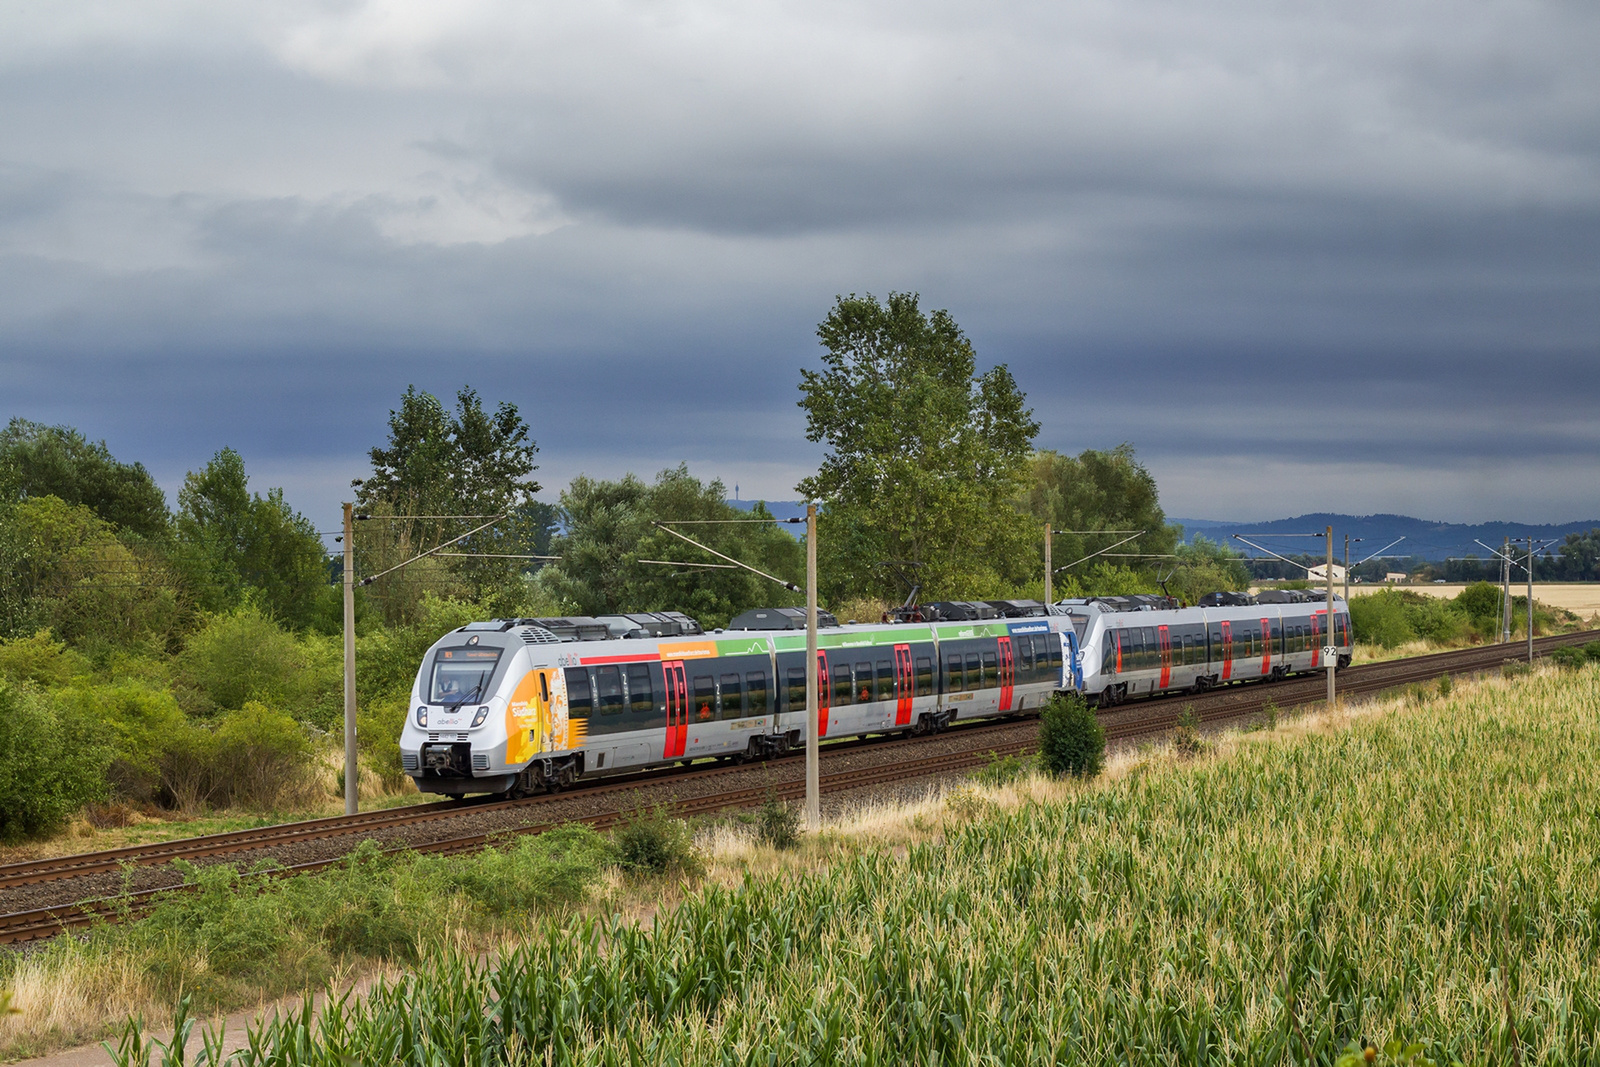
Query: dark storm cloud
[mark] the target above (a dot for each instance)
(255, 226)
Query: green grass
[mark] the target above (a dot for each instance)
(1429, 875)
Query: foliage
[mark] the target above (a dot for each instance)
(654, 841)
(58, 461)
(51, 763)
(139, 722)
(437, 463)
(608, 531)
(1003, 770)
(1381, 619)
(1592, 650)
(1098, 490)
(1071, 740)
(246, 544)
(924, 455)
(41, 660)
(1186, 738)
(1481, 602)
(1568, 658)
(1204, 566)
(777, 822)
(244, 656)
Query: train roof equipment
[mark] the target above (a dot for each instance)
(779, 619)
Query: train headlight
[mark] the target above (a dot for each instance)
(483, 713)
(422, 717)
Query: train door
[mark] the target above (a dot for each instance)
(1166, 655)
(1227, 651)
(904, 685)
(1316, 639)
(1266, 645)
(823, 691)
(677, 710)
(1008, 674)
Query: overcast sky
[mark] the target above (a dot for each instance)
(1304, 257)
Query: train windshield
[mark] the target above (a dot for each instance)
(461, 675)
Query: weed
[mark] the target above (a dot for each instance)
(1003, 770)
(1446, 686)
(1514, 668)
(1186, 739)
(654, 841)
(1568, 658)
(1271, 712)
(777, 823)
(1071, 740)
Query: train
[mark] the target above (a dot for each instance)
(518, 706)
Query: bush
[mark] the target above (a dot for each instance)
(1481, 602)
(1380, 619)
(654, 841)
(1568, 658)
(1436, 620)
(51, 764)
(41, 660)
(139, 723)
(1446, 685)
(1514, 668)
(528, 873)
(777, 823)
(244, 656)
(378, 724)
(1003, 770)
(1592, 650)
(1187, 738)
(1071, 740)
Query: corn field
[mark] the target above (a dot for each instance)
(1430, 874)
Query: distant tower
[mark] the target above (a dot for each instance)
(735, 492)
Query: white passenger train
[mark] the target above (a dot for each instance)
(1148, 645)
(516, 705)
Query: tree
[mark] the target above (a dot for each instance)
(59, 461)
(1098, 491)
(925, 456)
(436, 463)
(608, 532)
(246, 542)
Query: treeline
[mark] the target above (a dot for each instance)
(1576, 559)
(190, 658)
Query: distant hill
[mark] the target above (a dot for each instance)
(1424, 539)
(1432, 541)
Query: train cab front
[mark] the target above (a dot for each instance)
(454, 738)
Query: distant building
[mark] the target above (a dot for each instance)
(1396, 576)
(1320, 574)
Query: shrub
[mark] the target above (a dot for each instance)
(1380, 619)
(379, 722)
(41, 660)
(262, 757)
(1436, 620)
(1003, 770)
(1568, 658)
(140, 724)
(51, 764)
(1481, 602)
(556, 867)
(1592, 650)
(655, 841)
(1446, 685)
(1187, 738)
(1514, 668)
(1071, 740)
(1271, 713)
(244, 656)
(777, 823)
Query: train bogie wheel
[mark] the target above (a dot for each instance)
(455, 796)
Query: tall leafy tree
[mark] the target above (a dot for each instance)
(925, 455)
(442, 463)
(246, 542)
(38, 460)
(1097, 490)
(608, 533)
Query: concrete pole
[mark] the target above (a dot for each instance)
(813, 785)
(351, 773)
(1332, 661)
(1530, 600)
(1048, 598)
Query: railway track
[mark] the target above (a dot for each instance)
(1213, 706)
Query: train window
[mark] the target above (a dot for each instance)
(797, 689)
(544, 687)
(1152, 651)
(579, 692)
(705, 698)
(1024, 646)
(1053, 651)
(843, 694)
(755, 691)
(924, 676)
(608, 687)
(863, 683)
(1186, 654)
(885, 680)
(953, 681)
(991, 670)
(974, 671)
(641, 691)
(732, 698)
